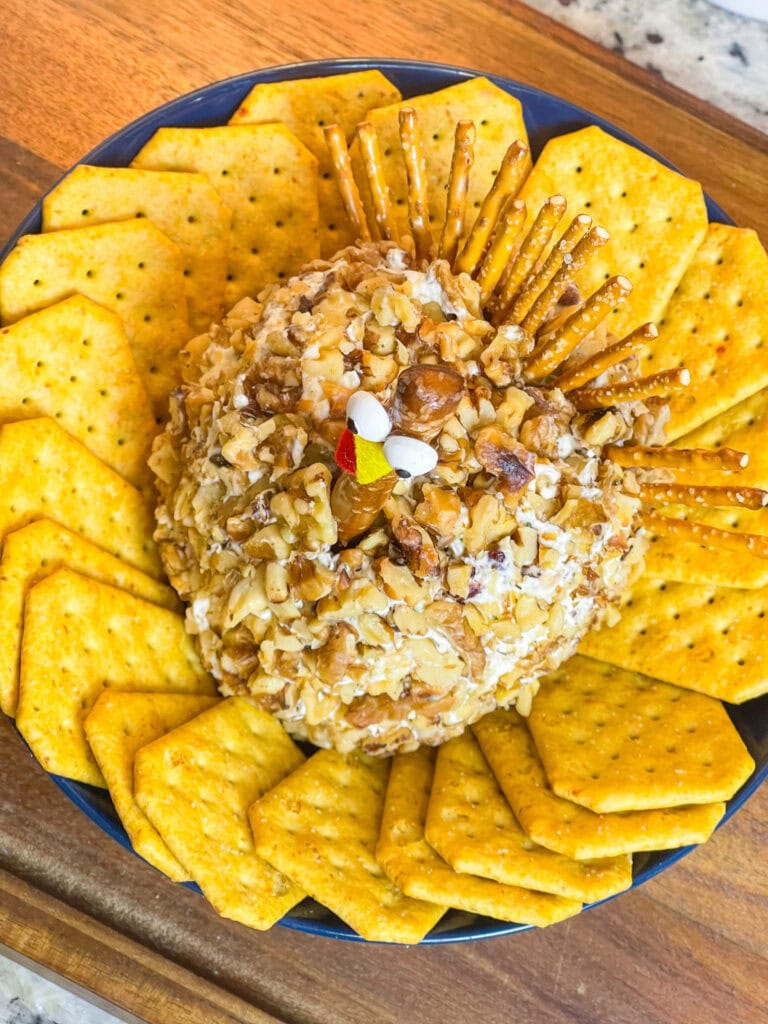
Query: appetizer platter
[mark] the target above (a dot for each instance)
(363, 430)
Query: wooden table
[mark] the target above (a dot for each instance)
(689, 946)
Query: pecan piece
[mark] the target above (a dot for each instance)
(503, 457)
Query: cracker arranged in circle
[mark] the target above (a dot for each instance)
(615, 741)
(498, 119)
(34, 552)
(46, 473)
(117, 726)
(472, 827)
(185, 207)
(702, 637)
(267, 178)
(129, 267)
(716, 323)
(743, 426)
(307, 106)
(320, 827)
(195, 785)
(414, 866)
(82, 637)
(566, 827)
(656, 217)
(73, 362)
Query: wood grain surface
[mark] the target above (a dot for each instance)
(691, 945)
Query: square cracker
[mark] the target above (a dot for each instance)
(129, 267)
(471, 825)
(267, 178)
(566, 827)
(498, 119)
(82, 637)
(705, 638)
(414, 866)
(612, 740)
(195, 784)
(716, 323)
(34, 552)
(320, 827)
(307, 106)
(185, 207)
(117, 726)
(656, 218)
(45, 472)
(73, 362)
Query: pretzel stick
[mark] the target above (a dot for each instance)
(508, 227)
(535, 285)
(416, 173)
(602, 361)
(506, 183)
(703, 497)
(710, 536)
(559, 346)
(534, 244)
(458, 182)
(370, 155)
(587, 247)
(345, 180)
(728, 460)
(657, 385)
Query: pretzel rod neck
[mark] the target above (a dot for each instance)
(727, 460)
(345, 180)
(709, 536)
(655, 386)
(458, 184)
(584, 372)
(378, 190)
(703, 497)
(416, 175)
(355, 506)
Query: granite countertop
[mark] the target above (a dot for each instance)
(717, 56)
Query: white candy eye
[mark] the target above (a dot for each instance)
(367, 417)
(409, 456)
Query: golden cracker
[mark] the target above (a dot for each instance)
(82, 637)
(46, 473)
(656, 218)
(128, 267)
(117, 726)
(307, 106)
(472, 827)
(267, 178)
(564, 826)
(195, 784)
(414, 866)
(716, 323)
(73, 362)
(704, 638)
(616, 741)
(320, 827)
(185, 207)
(34, 552)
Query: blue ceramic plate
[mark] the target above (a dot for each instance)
(545, 116)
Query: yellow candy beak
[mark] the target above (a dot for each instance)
(370, 462)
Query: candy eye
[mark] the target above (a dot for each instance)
(367, 417)
(408, 456)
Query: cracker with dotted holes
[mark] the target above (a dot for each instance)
(267, 178)
(307, 106)
(716, 323)
(34, 552)
(46, 472)
(472, 827)
(185, 207)
(320, 827)
(82, 637)
(616, 741)
(414, 866)
(564, 826)
(195, 785)
(73, 362)
(498, 119)
(129, 267)
(744, 427)
(705, 638)
(656, 218)
(117, 726)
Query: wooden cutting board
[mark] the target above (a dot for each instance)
(690, 945)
